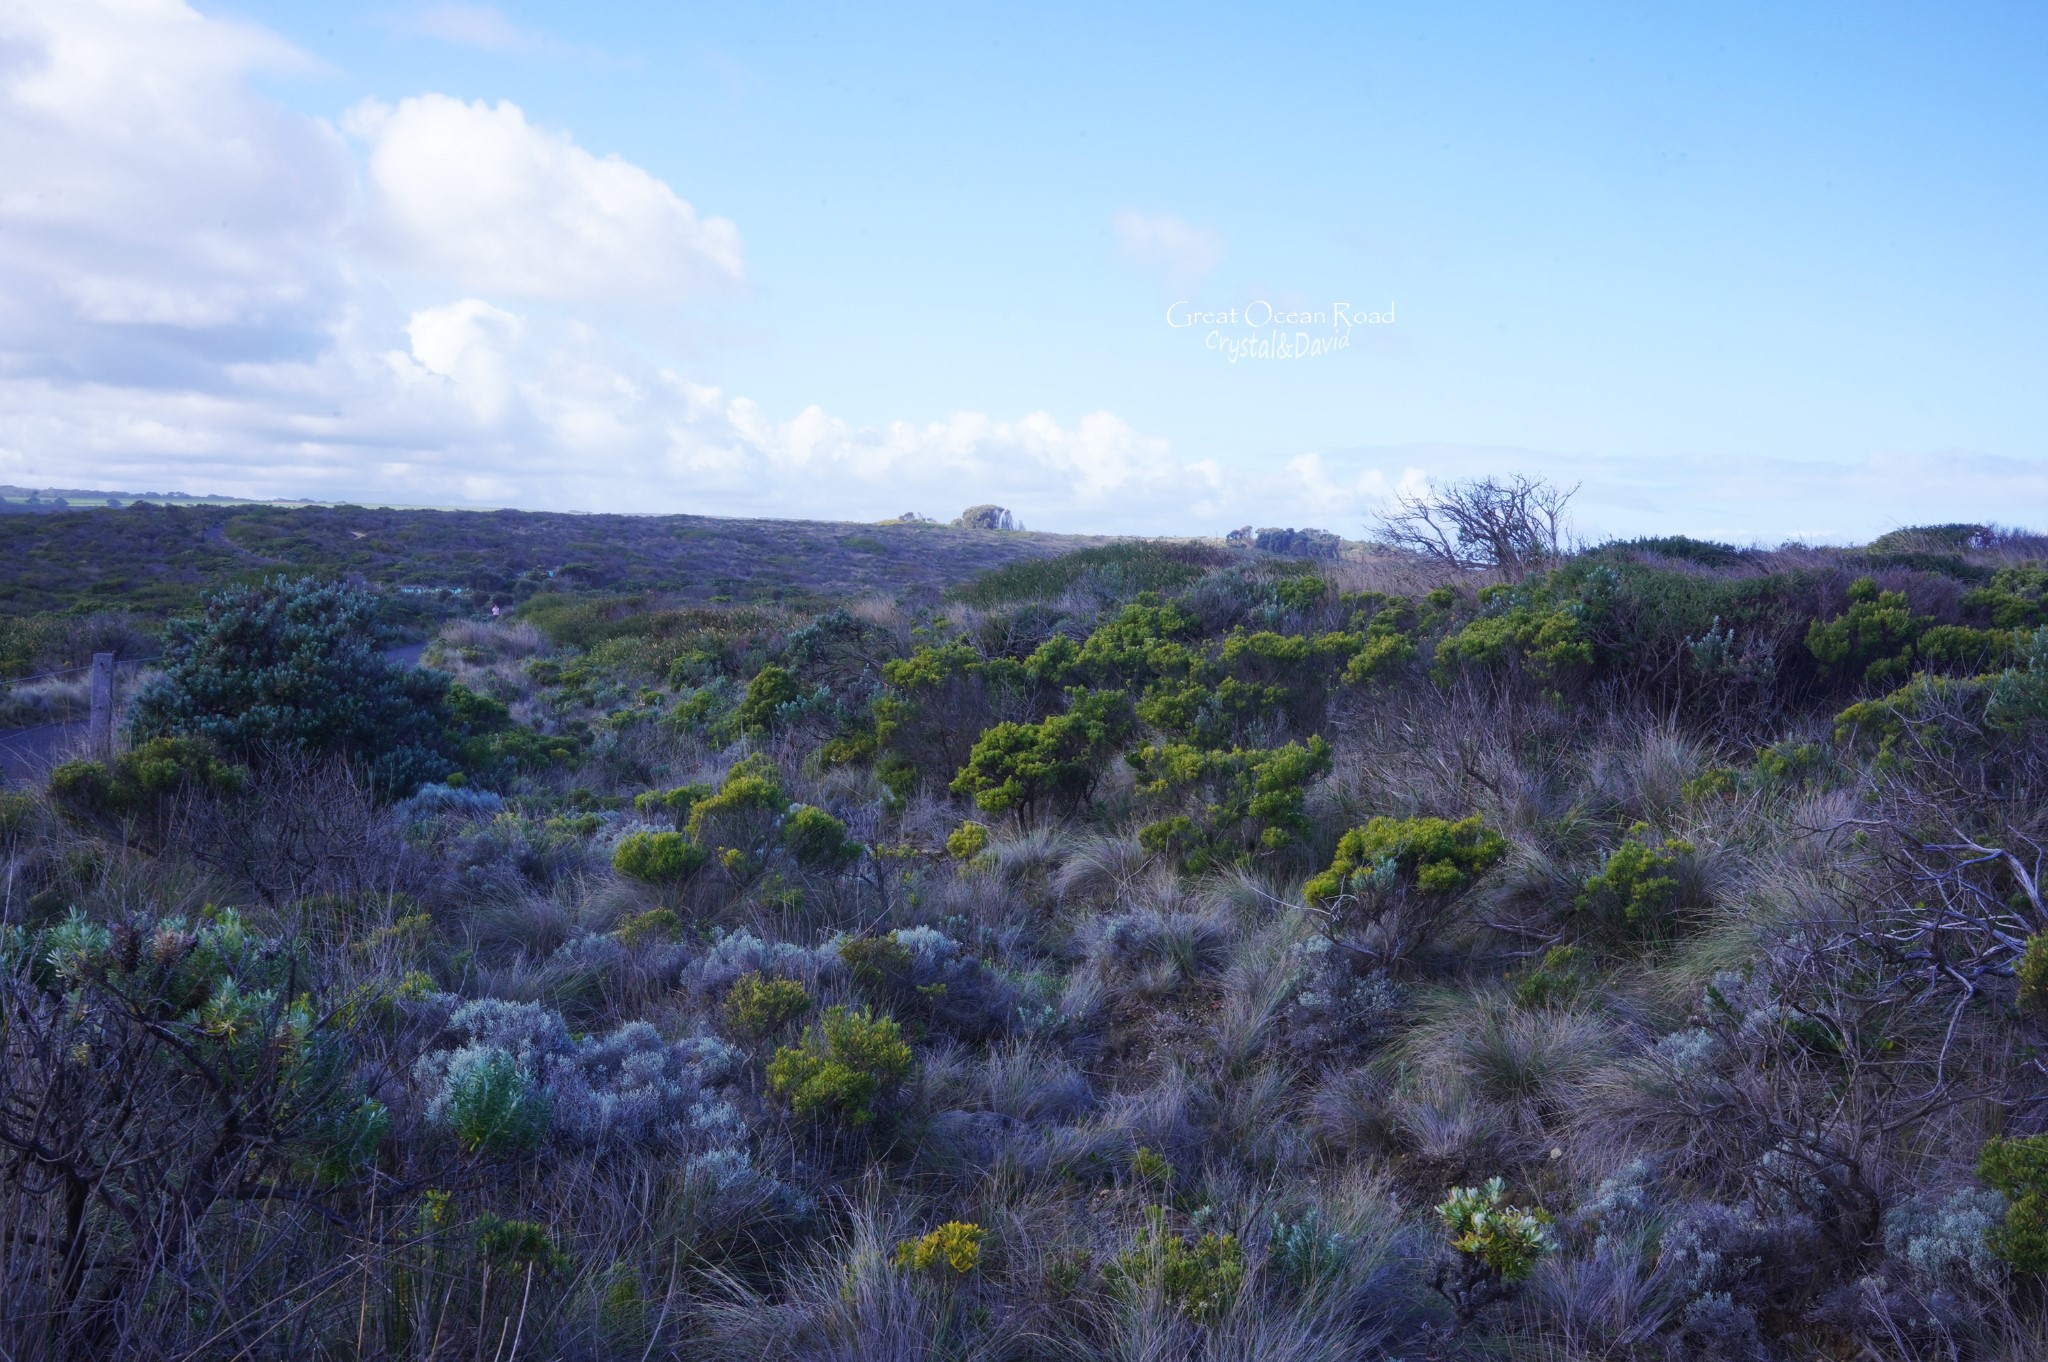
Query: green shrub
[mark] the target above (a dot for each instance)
(771, 689)
(818, 840)
(658, 857)
(880, 964)
(495, 1107)
(1639, 882)
(969, 842)
(296, 666)
(510, 1245)
(954, 1246)
(1528, 625)
(1681, 548)
(145, 780)
(2014, 598)
(1716, 782)
(622, 1311)
(1255, 799)
(1151, 1168)
(1178, 837)
(744, 812)
(677, 803)
(2031, 974)
(2019, 1169)
(1557, 981)
(1385, 651)
(1438, 856)
(1975, 717)
(1788, 763)
(757, 1007)
(1872, 642)
(1059, 759)
(1200, 1277)
(656, 924)
(1113, 571)
(843, 1067)
(17, 811)
(1302, 592)
(1507, 1240)
(1146, 641)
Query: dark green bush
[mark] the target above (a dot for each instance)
(1116, 571)
(2019, 1168)
(1679, 548)
(17, 811)
(1250, 801)
(295, 666)
(818, 840)
(743, 814)
(1198, 1277)
(2014, 598)
(161, 1073)
(1527, 626)
(2031, 975)
(677, 803)
(1873, 642)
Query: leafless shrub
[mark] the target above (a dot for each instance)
(1513, 525)
(309, 826)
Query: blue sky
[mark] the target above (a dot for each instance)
(1754, 272)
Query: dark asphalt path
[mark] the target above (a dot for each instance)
(27, 754)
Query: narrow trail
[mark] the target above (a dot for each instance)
(27, 754)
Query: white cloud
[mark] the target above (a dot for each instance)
(1186, 254)
(193, 300)
(478, 26)
(480, 404)
(185, 302)
(155, 209)
(475, 195)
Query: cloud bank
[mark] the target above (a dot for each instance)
(200, 289)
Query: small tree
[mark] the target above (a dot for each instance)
(1514, 525)
(289, 666)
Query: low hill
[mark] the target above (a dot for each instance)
(151, 558)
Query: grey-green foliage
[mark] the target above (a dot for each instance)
(1304, 1250)
(295, 666)
(1946, 1241)
(517, 1077)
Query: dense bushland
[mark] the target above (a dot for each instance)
(1155, 953)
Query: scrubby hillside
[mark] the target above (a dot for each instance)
(151, 558)
(1153, 953)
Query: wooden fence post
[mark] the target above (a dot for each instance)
(100, 732)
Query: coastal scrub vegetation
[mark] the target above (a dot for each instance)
(1633, 951)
